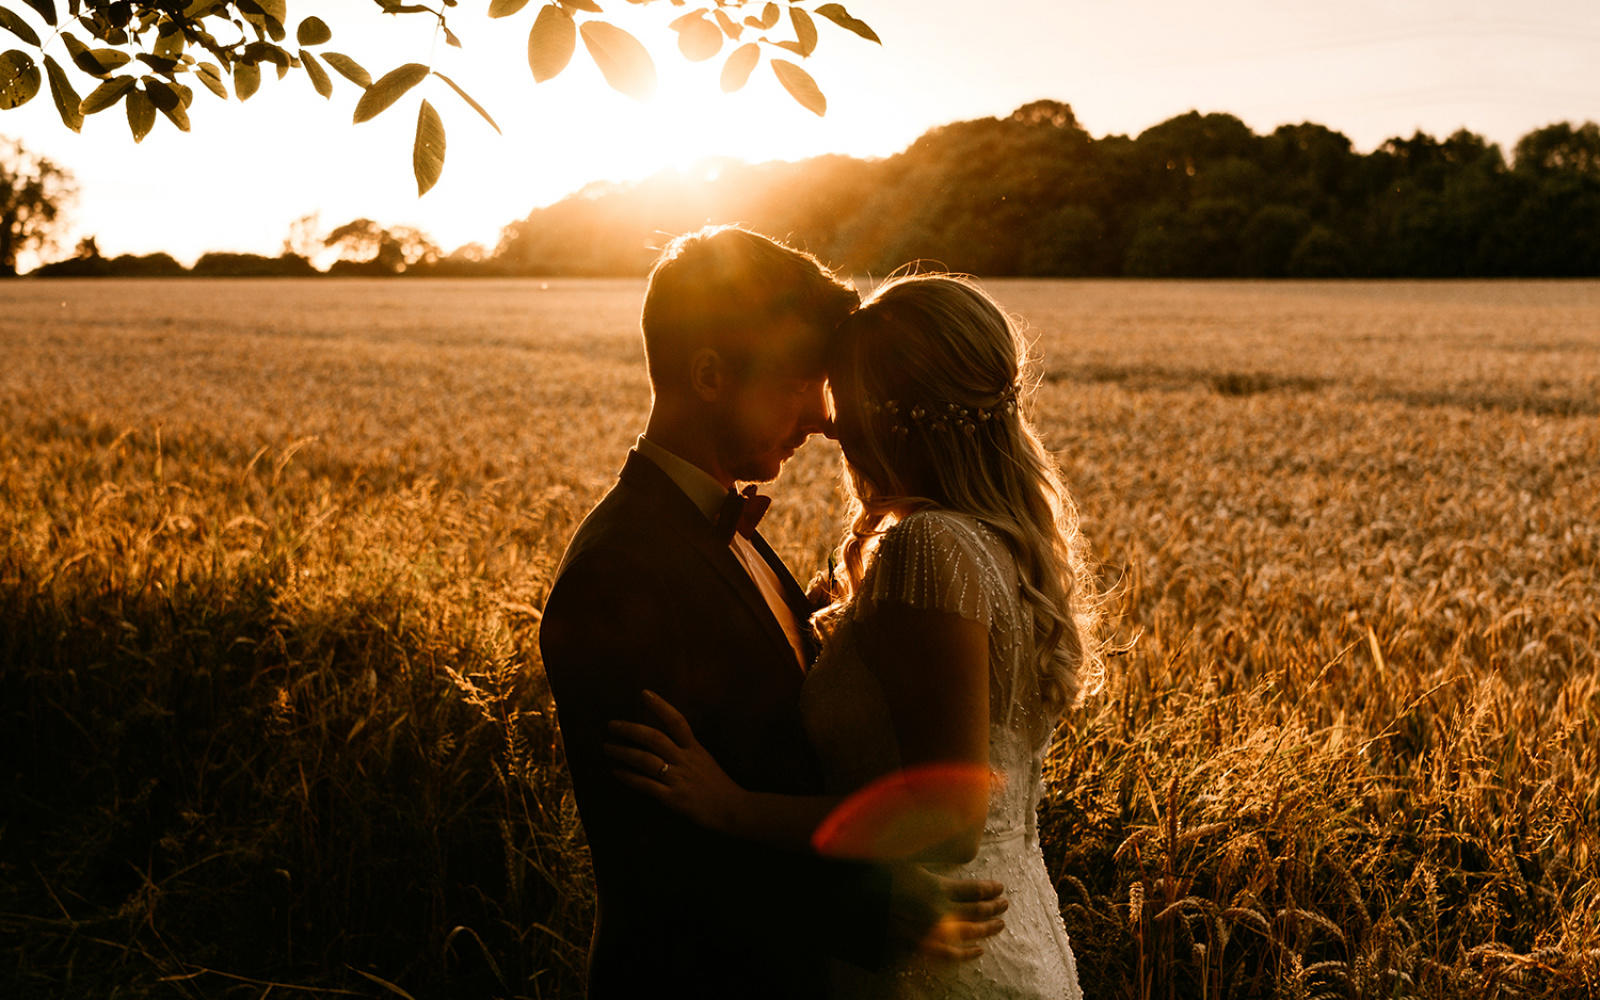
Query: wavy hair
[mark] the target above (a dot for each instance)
(932, 382)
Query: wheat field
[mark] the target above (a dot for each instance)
(272, 555)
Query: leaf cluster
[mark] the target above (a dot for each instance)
(144, 54)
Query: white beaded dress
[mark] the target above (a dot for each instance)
(938, 560)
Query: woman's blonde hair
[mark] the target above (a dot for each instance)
(935, 375)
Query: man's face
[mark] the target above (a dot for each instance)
(772, 406)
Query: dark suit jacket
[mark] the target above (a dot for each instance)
(648, 596)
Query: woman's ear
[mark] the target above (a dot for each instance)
(707, 376)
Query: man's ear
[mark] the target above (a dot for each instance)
(707, 374)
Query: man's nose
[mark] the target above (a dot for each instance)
(817, 419)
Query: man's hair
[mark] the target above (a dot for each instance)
(728, 289)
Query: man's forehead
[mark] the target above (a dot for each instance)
(793, 347)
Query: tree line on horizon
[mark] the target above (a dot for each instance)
(1033, 194)
(1199, 195)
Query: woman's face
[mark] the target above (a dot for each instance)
(849, 426)
(846, 418)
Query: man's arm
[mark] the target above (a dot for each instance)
(606, 635)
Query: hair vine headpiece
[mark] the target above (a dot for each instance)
(939, 417)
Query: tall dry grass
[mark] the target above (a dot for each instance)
(272, 556)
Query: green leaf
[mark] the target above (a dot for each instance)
(260, 52)
(141, 114)
(800, 86)
(178, 115)
(210, 75)
(109, 59)
(19, 79)
(17, 26)
(269, 15)
(45, 8)
(318, 75)
(95, 62)
(730, 27)
(551, 42)
(805, 30)
(169, 41)
(246, 80)
(161, 94)
(349, 69)
(838, 15)
(157, 63)
(505, 8)
(736, 71)
(427, 153)
(312, 31)
(624, 63)
(388, 89)
(102, 28)
(105, 95)
(67, 99)
(80, 54)
(468, 98)
(698, 38)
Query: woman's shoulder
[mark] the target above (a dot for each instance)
(952, 540)
(939, 560)
(943, 526)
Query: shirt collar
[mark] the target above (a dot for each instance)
(697, 484)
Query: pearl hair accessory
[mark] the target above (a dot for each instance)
(939, 417)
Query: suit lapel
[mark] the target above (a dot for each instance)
(792, 594)
(677, 509)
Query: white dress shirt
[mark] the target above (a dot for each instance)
(708, 495)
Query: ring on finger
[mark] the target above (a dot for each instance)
(663, 772)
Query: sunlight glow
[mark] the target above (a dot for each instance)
(1365, 68)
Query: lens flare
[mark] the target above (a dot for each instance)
(903, 814)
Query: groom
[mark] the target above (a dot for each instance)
(667, 586)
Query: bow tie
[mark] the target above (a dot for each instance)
(741, 512)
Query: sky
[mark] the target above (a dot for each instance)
(1369, 69)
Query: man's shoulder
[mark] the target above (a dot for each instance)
(619, 529)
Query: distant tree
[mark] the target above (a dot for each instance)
(150, 265)
(1269, 239)
(469, 253)
(303, 239)
(1199, 195)
(1560, 148)
(416, 246)
(357, 240)
(34, 195)
(1321, 253)
(1052, 113)
(143, 54)
(250, 265)
(1068, 241)
(366, 247)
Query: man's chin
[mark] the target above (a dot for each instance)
(763, 470)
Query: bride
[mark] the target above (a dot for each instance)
(961, 628)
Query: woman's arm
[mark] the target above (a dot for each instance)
(670, 765)
(933, 667)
